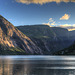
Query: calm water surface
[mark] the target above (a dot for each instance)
(37, 65)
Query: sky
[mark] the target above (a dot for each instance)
(59, 13)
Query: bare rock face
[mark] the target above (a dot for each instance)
(10, 36)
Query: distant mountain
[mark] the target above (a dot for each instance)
(72, 35)
(33, 39)
(37, 31)
(48, 39)
(13, 41)
(67, 51)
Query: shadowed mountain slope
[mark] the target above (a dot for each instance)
(35, 39)
(49, 39)
(67, 51)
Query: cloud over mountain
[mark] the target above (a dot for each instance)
(42, 1)
(68, 26)
(65, 17)
(50, 23)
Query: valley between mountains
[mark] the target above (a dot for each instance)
(35, 40)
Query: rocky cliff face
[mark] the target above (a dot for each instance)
(10, 36)
(49, 39)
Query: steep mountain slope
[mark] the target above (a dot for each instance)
(49, 39)
(37, 39)
(11, 37)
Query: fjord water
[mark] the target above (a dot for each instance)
(37, 65)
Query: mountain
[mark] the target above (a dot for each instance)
(72, 35)
(13, 41)
(32, 39)
(37, 31)
(67, 51)
(48, 39)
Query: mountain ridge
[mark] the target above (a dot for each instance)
(67, 51)
(10, 36)
(49, 39)
(32, 39)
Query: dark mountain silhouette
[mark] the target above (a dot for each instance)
(67, 51)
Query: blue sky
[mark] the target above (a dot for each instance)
(30, 12)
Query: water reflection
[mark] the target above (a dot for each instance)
(37, 65)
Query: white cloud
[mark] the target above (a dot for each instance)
(53, 23)
(73, 25)
(70, 27)
(46, 23)
(65, 25)
(42, 1)
(50, 20)
(65, 17)
(50, 23)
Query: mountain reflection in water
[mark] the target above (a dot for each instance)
(37, 65)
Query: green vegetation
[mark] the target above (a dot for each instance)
(37, 31)
(11, 50)
(43, 39)
(47, 38)
(67, 51)
(43, 31)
